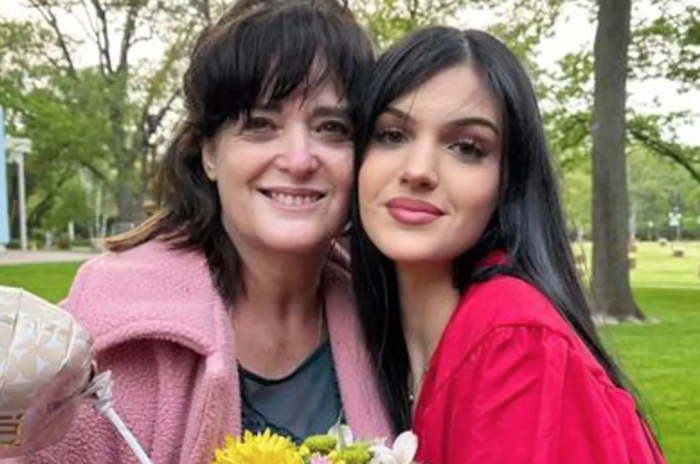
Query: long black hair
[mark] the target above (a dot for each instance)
(258, 50)
(528, 223)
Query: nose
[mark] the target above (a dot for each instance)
(296, 153)
(420, 169)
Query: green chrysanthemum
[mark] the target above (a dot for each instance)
(354, 454)
(323, 444)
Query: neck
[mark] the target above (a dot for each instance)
(282, 286)
(278, 321)
(428, 300)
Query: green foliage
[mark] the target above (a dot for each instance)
(102, 113)
(72, 205)
(88, 122)
(668, 44)
(389, 20)
(66, 122)
(656, 187)
(577, 200)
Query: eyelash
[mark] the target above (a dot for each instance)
(333, 129)
(382, 136)
(476, 150)
(257, 124)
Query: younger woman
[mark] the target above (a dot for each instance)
(466, 285)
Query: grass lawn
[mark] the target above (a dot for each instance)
(50, 281)
(663, 362)
(662, 359)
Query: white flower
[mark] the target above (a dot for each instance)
(402, 452)
(343, 434)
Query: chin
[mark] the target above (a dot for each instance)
(294, 243)
(404, 252)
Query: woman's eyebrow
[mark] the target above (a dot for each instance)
(404, 116)
(335, 111)
(476, 121)
(460, 122)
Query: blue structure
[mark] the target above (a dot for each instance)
(4, 212)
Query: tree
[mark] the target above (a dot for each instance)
(667, 46)
(657, 186)
(62, 120)
(388, 20)
(610, 273)
(79, 84)
(136, 93)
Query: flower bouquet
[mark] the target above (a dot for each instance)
(338, 446)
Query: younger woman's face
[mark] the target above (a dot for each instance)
(429, 182)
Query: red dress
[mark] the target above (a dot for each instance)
(511, 382)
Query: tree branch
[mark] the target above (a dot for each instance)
(151, 122)
(665, 149)
(104, 49)
(205, 10)
(129, 28)
(95, 37)
(48, 15)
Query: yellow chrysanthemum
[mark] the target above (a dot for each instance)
(258, 449)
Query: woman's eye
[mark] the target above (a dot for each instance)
(390, 136)
(258, 124)
(467, 149)
(335, 129)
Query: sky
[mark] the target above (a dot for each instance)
(574, 31)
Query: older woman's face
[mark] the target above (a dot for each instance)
(284, 174)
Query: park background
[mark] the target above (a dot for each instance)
(92, 88)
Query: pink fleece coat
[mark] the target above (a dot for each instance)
(159, 325)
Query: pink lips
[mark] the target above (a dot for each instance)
(413, 212)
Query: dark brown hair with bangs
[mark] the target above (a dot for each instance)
(259, 51)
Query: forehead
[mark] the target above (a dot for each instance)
(453, 93)
(310, 93)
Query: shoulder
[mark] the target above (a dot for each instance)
(148, 289)
(511, 319)
(147, 269)
(506, 301)
(153, 256)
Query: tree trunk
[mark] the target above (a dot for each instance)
(126, 203)
(611, 282)
(124, 159)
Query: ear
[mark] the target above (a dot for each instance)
(209, 159)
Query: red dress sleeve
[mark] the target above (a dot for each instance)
(529, 395)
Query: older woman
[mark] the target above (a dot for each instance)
(231, 308)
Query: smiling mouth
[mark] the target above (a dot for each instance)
(292, 198)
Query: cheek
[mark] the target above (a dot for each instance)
(473, 191)
(481, 196)
(342, 173)
(337, 170)
(373, 176)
